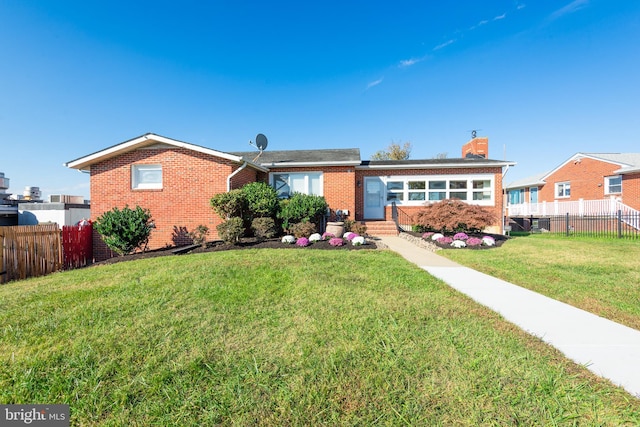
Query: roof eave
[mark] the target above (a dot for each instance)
(84, 163)
(438, 166)
(309, 164)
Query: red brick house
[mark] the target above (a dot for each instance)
(585, 184)
(175, 180)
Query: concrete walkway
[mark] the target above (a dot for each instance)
(606, 348)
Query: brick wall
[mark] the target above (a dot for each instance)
(497, 208)
(189, 178)
(586, 177)
(631, 190)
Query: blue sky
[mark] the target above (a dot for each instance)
(542, 79)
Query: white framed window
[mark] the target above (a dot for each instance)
(395, 191)
(533, 194)
(613, 184)
(144, 177)
(418, 189)
(563, 190)
(516, 197)
(288, 183)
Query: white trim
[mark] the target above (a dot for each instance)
(307, 164)
(148, 141)
(437, 166)
(576, 158)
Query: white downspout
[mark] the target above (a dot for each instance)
(244, 165)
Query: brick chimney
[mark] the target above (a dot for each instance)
(477, 147)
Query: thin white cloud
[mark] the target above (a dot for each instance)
(499, 17)
(375, 83)
(405, 63)
(572, 7)
(445, 44)
(521, 6)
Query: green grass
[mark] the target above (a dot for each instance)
(598, 275)
(283, 337)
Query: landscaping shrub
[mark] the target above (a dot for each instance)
(303, 229)
(261, 200)
(229, 204)
(355, 227)
(199, 235)
(302, 208)
(231, 230)
(126, 230)
(454, 215)
(264, 228)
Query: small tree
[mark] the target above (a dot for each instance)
(454, 215)
(394, 152)
(126, 230)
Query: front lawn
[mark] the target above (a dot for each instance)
(601, 276)
(283, 337)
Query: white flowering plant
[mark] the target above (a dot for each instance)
(315, 237)
(289, 239)
(358, 240)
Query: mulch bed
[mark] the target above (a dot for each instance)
(245, 243)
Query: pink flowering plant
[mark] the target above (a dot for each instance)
(336, 241)
(445, 240)
(460, 236)
(302, 241)
(474, 241)
(327, 236)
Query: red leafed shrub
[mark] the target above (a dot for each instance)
(454, 215)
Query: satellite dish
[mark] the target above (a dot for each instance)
(261, 142)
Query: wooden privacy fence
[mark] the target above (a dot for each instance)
(36, 250)
(29, 250)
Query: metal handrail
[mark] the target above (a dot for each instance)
(400, 218)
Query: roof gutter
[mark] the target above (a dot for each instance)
(244, 165)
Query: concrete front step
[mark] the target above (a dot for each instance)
(381, 228)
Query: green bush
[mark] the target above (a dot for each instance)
(229, 204)
(264, 228)
(303, 229)
(126, 230)
(231, 230)
(261, 200)
(199, 235)
(302, 208)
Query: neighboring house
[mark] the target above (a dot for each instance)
(585, 184)
(175, 180)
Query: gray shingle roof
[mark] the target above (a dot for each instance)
(327, 156)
